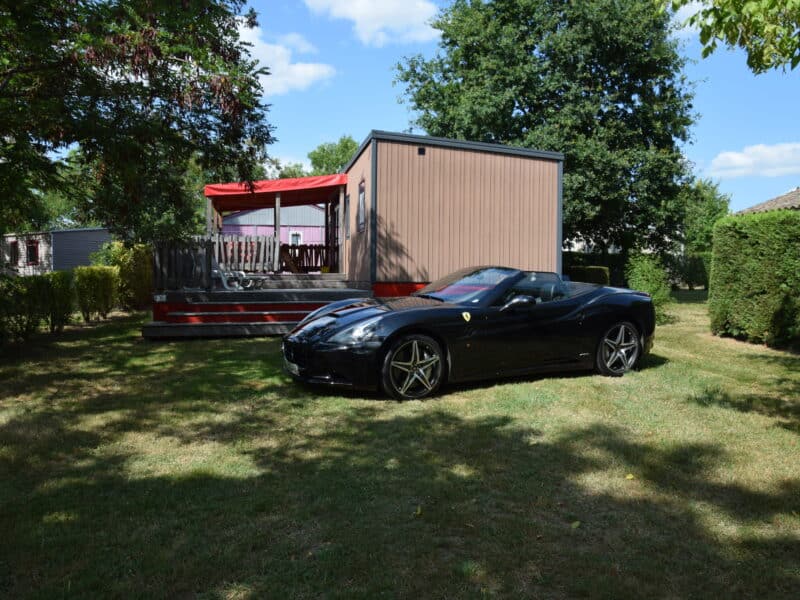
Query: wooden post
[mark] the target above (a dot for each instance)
(210, 216)
(340, 256)
(277, 227)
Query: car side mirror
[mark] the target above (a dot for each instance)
(517, 302)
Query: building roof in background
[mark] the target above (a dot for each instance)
(789, 200)
(51, 231)
(309, 215)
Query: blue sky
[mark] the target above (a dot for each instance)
(332, 72)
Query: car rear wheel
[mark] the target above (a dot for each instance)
(413, 368)
(619, 350)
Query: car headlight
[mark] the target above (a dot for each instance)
(358, 333)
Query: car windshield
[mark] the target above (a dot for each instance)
(467, 285)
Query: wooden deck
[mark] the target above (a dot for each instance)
(268, 311)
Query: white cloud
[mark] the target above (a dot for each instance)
(298, 43)
(683, 29)
(285, 75)
(760, 160)
(377, 22)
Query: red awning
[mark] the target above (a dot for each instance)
(294, 192)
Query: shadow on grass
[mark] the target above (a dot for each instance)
(357, 502)
(783, 405)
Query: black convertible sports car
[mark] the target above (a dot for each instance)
(477, 323)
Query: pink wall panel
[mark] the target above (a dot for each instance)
(311, 235)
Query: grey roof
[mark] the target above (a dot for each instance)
(789, 200)
(52, 231)
(427, 140)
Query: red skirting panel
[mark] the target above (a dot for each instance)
(245, 318)
(161, 310)
(389, 290)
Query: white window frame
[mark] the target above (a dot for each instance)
(293, 232)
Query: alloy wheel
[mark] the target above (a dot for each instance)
(620, 349)
(415, 368)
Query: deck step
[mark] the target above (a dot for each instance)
(158, 330)
(258, 296)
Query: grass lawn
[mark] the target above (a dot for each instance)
(197, 469)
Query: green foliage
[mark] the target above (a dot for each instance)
(22, 306)
(590, 274)
(755, 277)
(766, 29)
(705, 205)
(142, 88)
(615, 263)
(135, 265)
(599, 80)
(690, 269)
(292, 170)
(96, 289)
(59, 300)
(646, 273)
(331, 157)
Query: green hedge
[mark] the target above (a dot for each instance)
(96, 290)
(589, 274)
(21, 306)
(690, 270)
(59, 300)
(646, 273)
(754, 289)
(614, 262)
(135, 265)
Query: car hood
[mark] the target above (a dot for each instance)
(344, 313)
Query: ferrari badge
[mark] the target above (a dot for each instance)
(466, 316)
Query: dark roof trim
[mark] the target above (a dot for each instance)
(426, 140)
(52, 231)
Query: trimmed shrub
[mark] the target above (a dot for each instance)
(96, 290)
(59, 300)
(135, 266)
(754, 289)
(22, 306)
(646, 273)
(614, 262)
(590, 274)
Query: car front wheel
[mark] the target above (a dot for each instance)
(413, 368)
(619, 350)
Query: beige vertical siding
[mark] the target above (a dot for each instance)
(356, 249)
(22, 267)
(453, 208)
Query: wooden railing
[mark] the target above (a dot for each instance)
(248, 253)
(309, 257)
(190, 263)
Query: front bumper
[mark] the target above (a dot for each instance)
(349, 367)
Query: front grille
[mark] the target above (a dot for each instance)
(295, 353)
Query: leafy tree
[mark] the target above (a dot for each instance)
(599, 80)
(705, 205)
(768, 30)
(143, 86)
(291, 170)
(331, 157)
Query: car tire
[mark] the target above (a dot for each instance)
(618, 349)
(413, 367)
